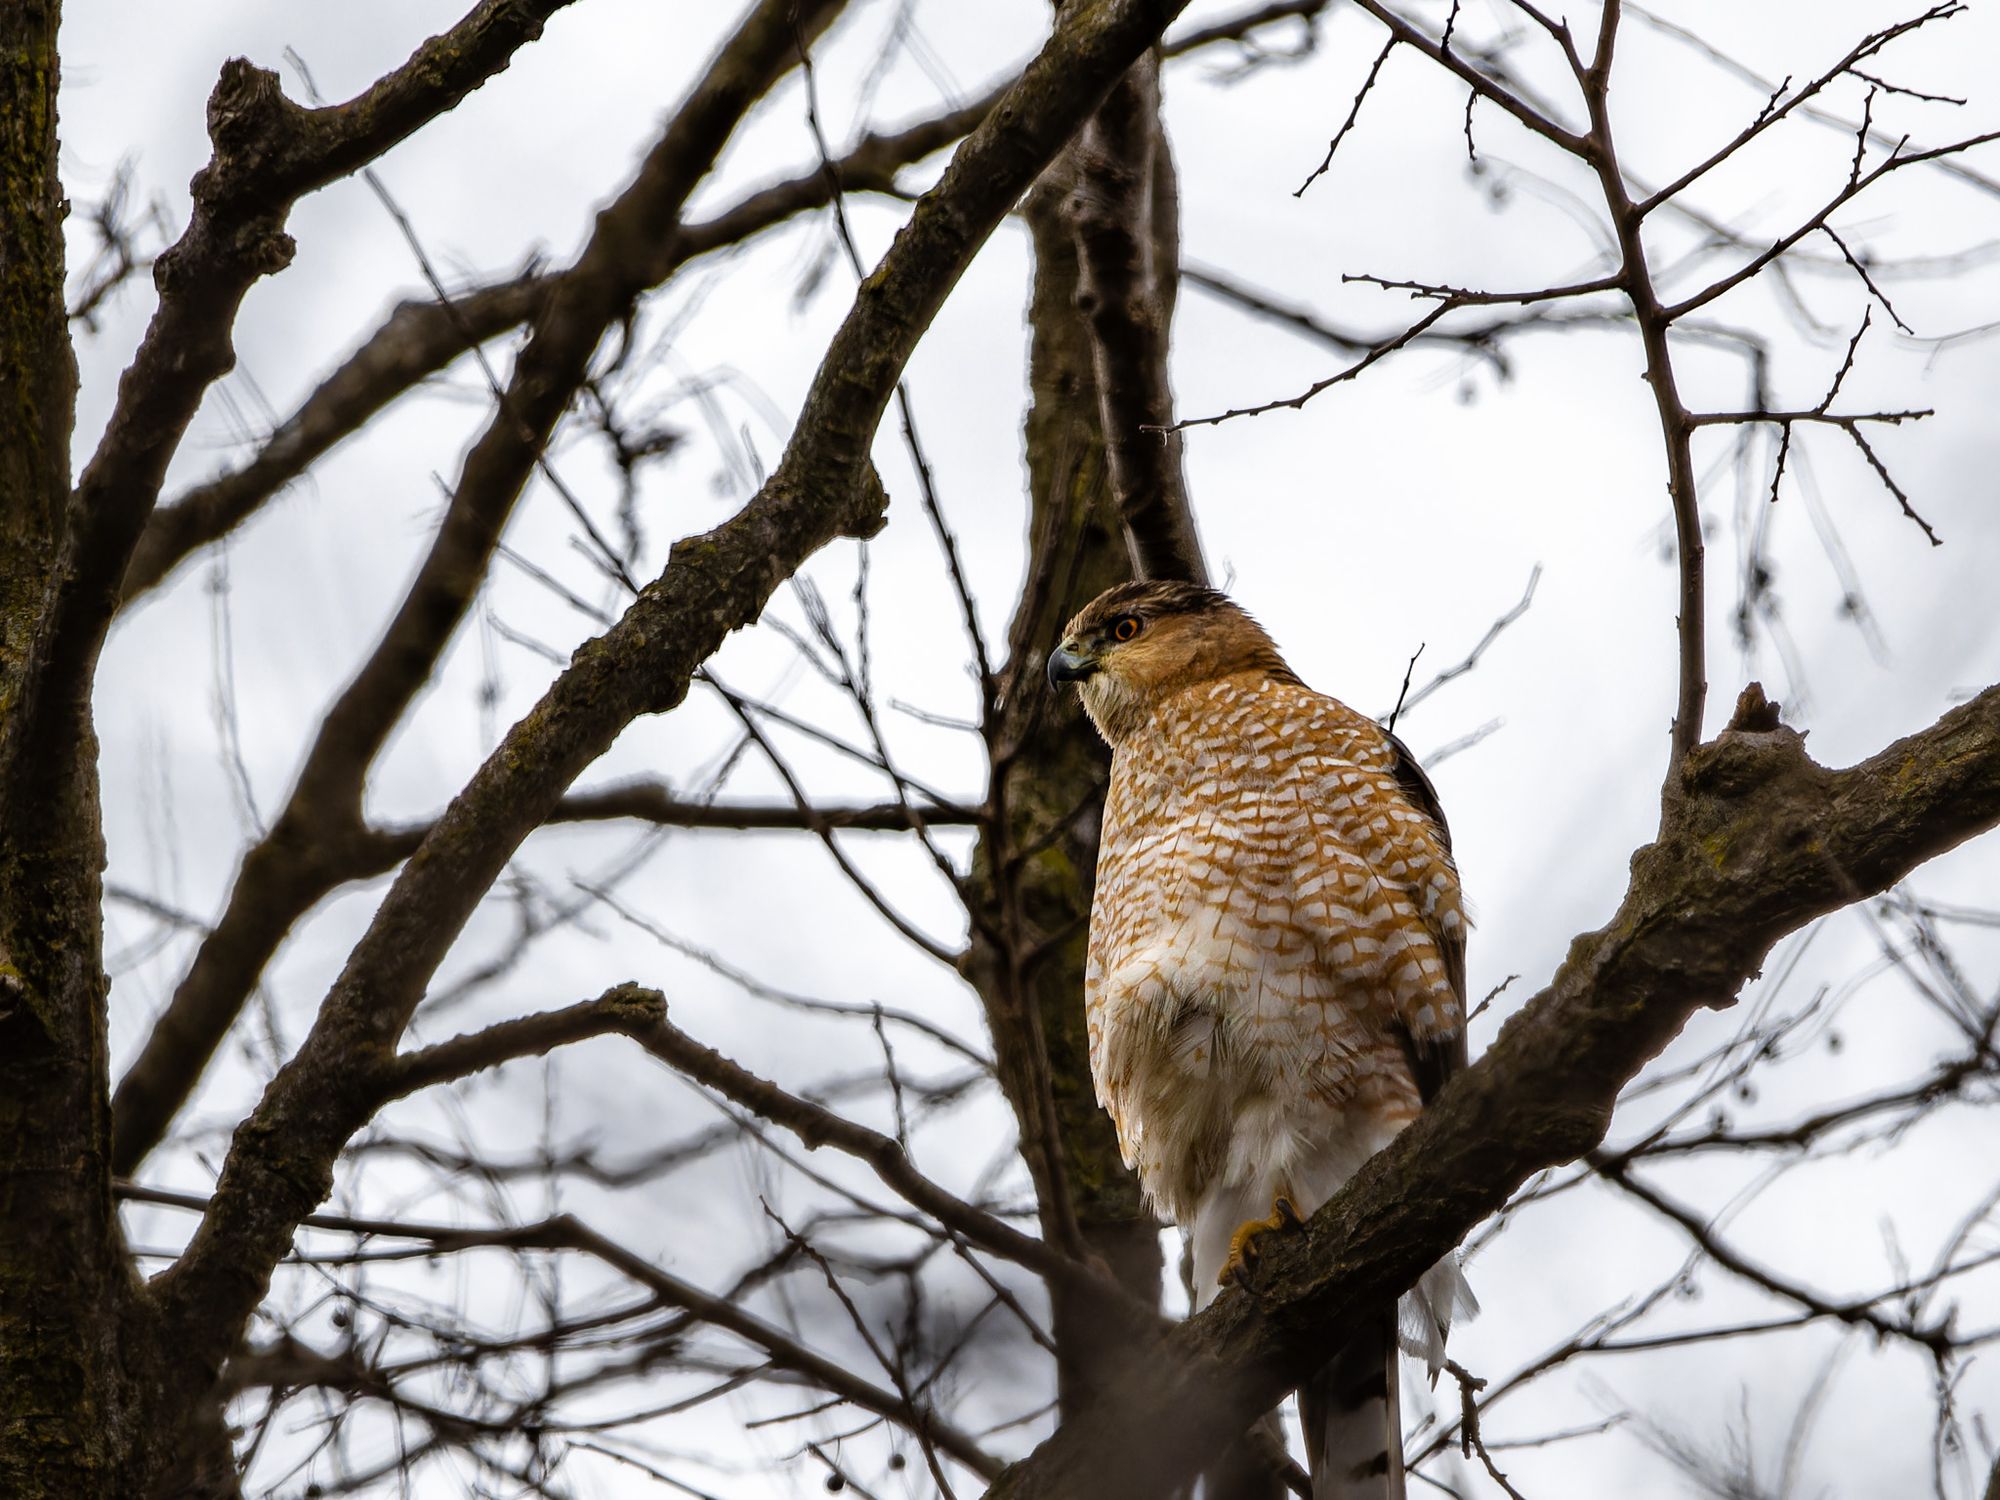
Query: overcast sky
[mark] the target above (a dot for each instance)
(1405, 510)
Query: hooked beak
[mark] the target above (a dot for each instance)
(1066, 665)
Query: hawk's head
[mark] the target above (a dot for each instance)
(1140, 643)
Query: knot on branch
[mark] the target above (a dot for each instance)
(1741, 832)
(259, 248)
(869, 511)
(1755, 714)
(265, 251)
(1755, 748)
(648, 1007)
(249, 118)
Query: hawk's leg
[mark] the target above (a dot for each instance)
(1243, 1250)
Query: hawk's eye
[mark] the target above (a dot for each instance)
(1125, 627)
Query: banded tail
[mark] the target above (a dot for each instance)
(1351, 1413)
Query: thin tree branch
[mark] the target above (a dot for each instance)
(269, 153)
(420, 338)
(317, 842)
(280, 1162)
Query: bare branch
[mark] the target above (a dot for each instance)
(1485, 87)
(567, 1233)
(418, 339)
(1896, 161)
(655, 802)
(623, 1009)
(268, 153)
(1354, 113)
(1406, 700)
(1775, 111)
(817, 1126)
(1449, 300)
(1934, 1338)
(317, 841)
(1237, 27)
(1802, 840)
(281, 1160)
(421, 338)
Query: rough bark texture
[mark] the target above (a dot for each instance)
(1122, 207)
(65, 1290)
(1755, 841)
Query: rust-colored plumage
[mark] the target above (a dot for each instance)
(1275, 981)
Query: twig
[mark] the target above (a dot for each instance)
(1471, 659)
(1867, 280)
(1470, 1442)
(1404, 692)
(916, 1418)
(1449, 300)
(1354, 113)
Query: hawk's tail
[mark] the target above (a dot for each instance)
(1351, 1411)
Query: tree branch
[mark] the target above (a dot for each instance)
(1635, 275)
(420, 338)
(280, 1163)
(567, 1233)
(269, 153)
(818, 1126)
(318, 842)
(624, 1009)
(1755, 841)
(1485, 87)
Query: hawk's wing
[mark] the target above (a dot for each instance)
(1435, 1059)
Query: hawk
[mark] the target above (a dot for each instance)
(1276, 975)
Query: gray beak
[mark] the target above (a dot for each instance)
(1066, 665)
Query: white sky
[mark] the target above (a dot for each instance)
(1407, 509)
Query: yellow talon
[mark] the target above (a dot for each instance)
(1243, 1251)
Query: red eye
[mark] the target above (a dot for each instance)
(1126, 627)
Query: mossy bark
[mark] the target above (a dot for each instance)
(1034, 871)
(66, 1295)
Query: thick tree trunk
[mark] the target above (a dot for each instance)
(1035, 872)
(1033, 881)
(1105, 222)
(67, 1297)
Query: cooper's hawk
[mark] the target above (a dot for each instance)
(1276, 977)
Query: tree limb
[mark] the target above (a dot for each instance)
(318, 842)
(417, 340)
(269, 153)
(1755, 841)
(624, 1009)
(280, 1163)
(420, 338)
